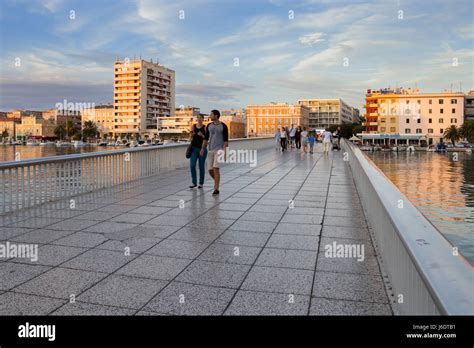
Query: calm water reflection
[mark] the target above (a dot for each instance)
(7, 152)
(441, 188)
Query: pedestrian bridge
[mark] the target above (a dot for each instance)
(120, 233)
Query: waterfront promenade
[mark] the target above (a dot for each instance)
(248, 251)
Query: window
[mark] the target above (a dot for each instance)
(407, 130)
(453, 111)
(382, 129)
(430, 120)
(440, 101)
(430, 111)
(392, 129)
(418, 101)
(418, 120)
(382, 120)
(430, 101)
(441, 120)
(441, 131)
(430, 130)
(408, 102)
(454, 120)
(393, 120)
(441, 111)
(454, 101)
(418, 131)
(407, 120)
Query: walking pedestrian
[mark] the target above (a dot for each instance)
(298, 137)
(198, 133)
(327, 140)
(283, 139)
(277, 139)
(292, 136)
(217, 137)
(311, 139)
(304, 139)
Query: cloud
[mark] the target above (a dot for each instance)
(216, 91)
(311, 39)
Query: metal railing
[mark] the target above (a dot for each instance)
(427, 275)
(31, 182)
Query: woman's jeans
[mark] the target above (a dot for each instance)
(202, 161)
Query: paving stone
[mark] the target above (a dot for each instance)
(344, 286)
(302, 219)
(211, 224)
(61, 282)
(281, 280)
(99, 260)
(243, 238)
(260, 216)
(266, 303)
(305, 211)
(323, 306)
(133, 218)
(214, 274)
(178, 248)
(21, 304)
(134, 245)
(300, 229)
(268, 209)
(367, 265)
(342, 212)
(53, 255)
(178, 221)
(86, 309)
(123, 291)
(191, 299)
(302, 259)
(154, 267)
(117, 208)
(236, 207)
(42, 236)
(253, 226)
(239, 254)
(196, 235)
(81, 239)
(36, 222)
(150, 210)
(216, 213)
(293, 242)
(110, 227)
(345, 232)
(157, 231)
(368, 248)
(98, 215)
(72, 225)
(7, 233)
(13, 274)
(345, 221)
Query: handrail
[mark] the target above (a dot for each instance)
(447, 278)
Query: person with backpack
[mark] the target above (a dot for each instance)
(198, 133)
(217, 137)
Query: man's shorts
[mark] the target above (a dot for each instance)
(212, 159)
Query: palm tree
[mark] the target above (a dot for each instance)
(452, 133)
(89, 130)
(69, 128)
(467, 130)
(59, 131)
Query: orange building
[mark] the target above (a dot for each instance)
(263, 120)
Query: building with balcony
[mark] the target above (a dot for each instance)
(407, 111)
(103, 116)
(264, 119)
(144, 92)
(469, 105)
(324, 113)
(179, 125)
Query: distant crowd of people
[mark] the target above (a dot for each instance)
(299, 137)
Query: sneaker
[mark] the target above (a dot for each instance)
(192, 186)
(216, 192)
(200, 186)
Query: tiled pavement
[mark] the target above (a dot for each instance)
(246, 252)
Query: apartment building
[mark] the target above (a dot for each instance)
(264, 119)
(236, 121)
(407, 111)
(35, 127)
(469, 105)
(103, 116)
(327, 112)
(143, 92)
(355, 115)
(62, 116)
(180, 124)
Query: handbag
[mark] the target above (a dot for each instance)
(189, 151)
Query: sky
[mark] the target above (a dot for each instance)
(233, 53)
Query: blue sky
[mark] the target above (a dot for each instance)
(281, 57)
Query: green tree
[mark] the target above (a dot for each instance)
(60, 131)
(358, 129)
(89, 130)
(452, 133)
(69, 128)
(467, 130)
(5, 134)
